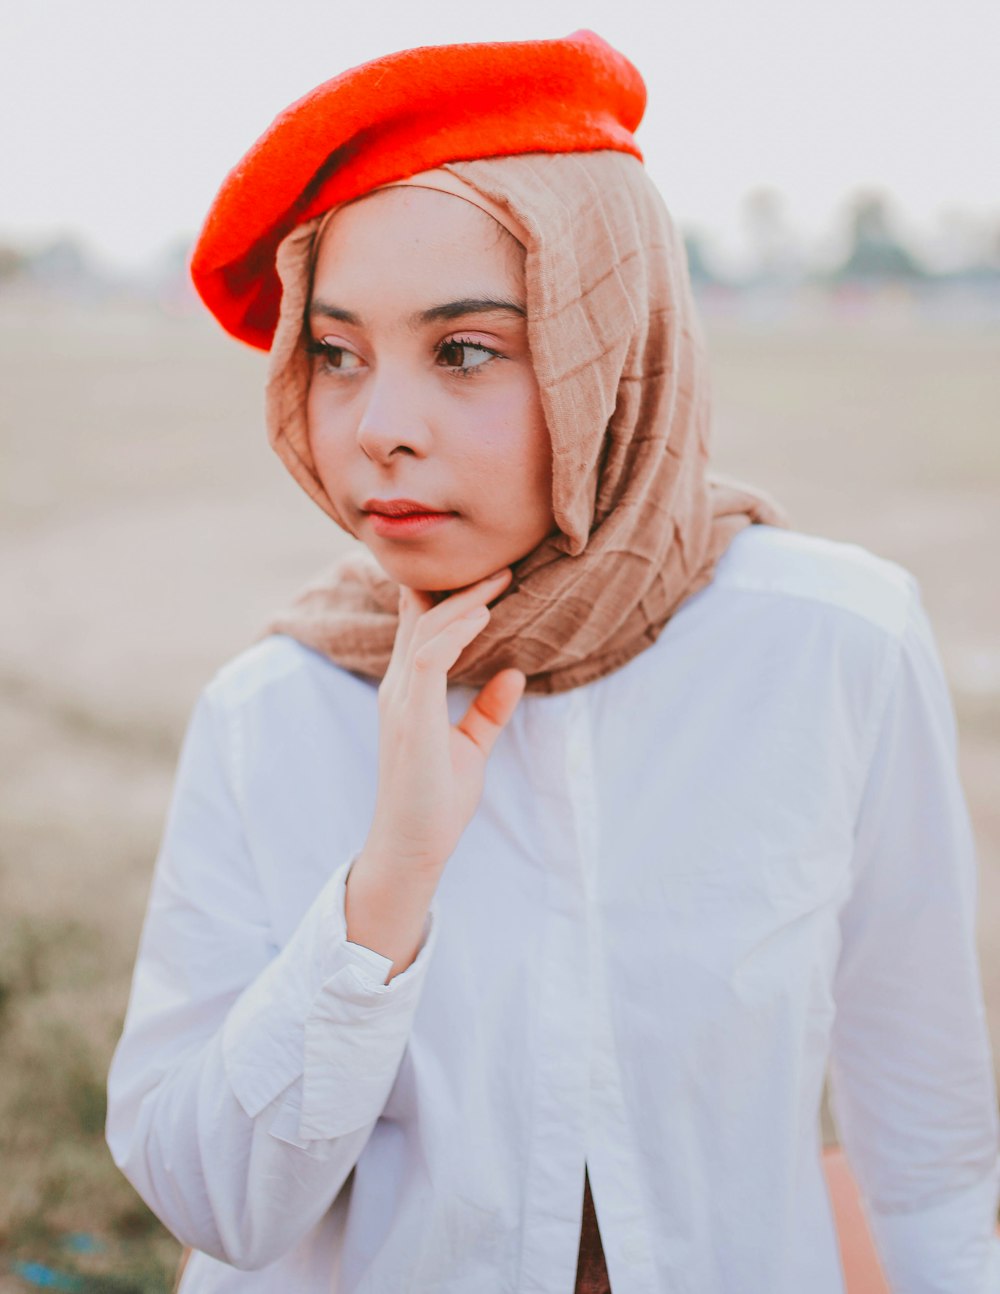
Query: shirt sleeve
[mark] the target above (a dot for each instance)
(248, 1078)
(911, 1074)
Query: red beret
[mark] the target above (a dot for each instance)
(390, 119)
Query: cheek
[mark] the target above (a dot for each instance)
(512, 441)
(516, 460)
(531, 445)
(313, 421)
(324, 432)
(538, 457)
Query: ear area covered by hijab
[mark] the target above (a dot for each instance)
(624, 386)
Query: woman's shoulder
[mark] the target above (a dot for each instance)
(280, 670)
(792, 567)
(828, 613)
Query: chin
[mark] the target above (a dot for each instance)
(431, 577)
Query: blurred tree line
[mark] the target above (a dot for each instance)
(873, 252)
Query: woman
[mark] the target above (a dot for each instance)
(546, 853)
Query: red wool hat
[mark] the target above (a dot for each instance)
(392, 118)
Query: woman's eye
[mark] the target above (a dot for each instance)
(334, 356)
(464, 355)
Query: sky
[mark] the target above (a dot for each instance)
(119, 119)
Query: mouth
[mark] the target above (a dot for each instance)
(403, 517)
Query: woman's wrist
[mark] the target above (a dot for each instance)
(386, 906)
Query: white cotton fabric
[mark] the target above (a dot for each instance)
(690, 884)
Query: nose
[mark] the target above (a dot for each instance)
(391, 421)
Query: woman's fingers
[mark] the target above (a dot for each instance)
(490, 711)
(431, 660)
(413, 603)
(430, 780)
(421, 621)
(429, 640)
(452, 608)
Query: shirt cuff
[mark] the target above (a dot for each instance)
(321, 1011)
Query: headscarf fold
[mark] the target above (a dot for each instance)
(623, 381)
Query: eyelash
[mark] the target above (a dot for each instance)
(323, 350)
(470, 370)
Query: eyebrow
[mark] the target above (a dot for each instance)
(469, 306)
(449, 310)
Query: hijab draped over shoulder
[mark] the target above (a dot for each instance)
(623, 378)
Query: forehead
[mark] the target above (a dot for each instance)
(410, 240)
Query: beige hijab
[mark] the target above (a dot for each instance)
(624, 387)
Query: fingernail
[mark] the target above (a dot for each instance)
(476, 613)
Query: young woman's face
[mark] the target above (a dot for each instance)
(425, 421)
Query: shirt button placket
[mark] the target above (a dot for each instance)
(560, 1071)
(613, 1170)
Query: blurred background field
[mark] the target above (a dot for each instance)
(147, 534)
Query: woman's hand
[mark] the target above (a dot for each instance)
(430, 774)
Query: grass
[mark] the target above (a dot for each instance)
(61, 1185)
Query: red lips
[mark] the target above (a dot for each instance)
(403, 518)
(399, 507)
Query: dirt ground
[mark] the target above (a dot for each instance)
(148, 532)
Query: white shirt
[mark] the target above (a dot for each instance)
(688, 886)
